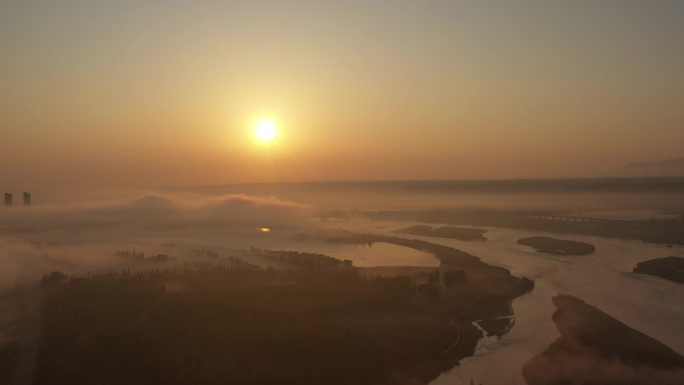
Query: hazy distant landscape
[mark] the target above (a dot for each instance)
(341, 192)
(391, 295)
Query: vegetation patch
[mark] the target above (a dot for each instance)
(9, 352)
(317, 320)
(671, 268)
(555, 246)
(230, 326)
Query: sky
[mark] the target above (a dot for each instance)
(148, 93)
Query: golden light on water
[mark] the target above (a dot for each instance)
(265, 230)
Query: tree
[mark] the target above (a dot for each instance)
(453, 276)
(53, 278)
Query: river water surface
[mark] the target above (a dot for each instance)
(603, 279)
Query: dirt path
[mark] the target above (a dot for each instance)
(459, 338)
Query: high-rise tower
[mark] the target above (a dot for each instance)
(27, 199)
(8, 199)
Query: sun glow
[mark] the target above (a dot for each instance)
(265, 130)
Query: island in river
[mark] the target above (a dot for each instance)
(595, 348)
(671, 268)
(316, 321)
(548, 245)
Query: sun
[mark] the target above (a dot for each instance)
(265, 130)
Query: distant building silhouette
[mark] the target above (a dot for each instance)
(8, 199)
(27, 199)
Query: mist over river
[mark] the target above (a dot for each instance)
(83, 238)
(603, 279)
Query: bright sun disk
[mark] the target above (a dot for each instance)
(265, 130)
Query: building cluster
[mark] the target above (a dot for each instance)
(9, 199)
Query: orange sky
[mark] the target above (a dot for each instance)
(153, 93)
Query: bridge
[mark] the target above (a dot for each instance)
(586, 220)
(569, 218)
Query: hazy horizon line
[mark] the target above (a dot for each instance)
(527, 179)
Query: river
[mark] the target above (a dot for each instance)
(648, 304)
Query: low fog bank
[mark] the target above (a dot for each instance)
(569, 196)
(85, 236)
(236, 209)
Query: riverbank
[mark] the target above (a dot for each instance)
(353, 327)
(597, 348)
(665, 231)
(484, 296)
(670, 268)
